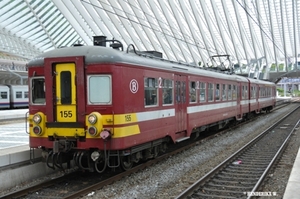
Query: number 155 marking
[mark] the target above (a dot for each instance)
(128, 118)
(66, 114)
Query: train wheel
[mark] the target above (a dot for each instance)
(126, 163)
(155, 151)
(164, 147)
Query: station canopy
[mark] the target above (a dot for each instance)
(189, 31)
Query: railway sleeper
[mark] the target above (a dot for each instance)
(227, 188)
(230, 186)
(199, 195)
(215, 190)
(240, 174)
(233, 182)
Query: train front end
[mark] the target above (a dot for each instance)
(59, 122)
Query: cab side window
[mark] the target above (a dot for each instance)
(37, 85)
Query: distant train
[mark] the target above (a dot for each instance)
(13, 96)
(106, 108)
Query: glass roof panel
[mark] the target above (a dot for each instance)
(189, 31)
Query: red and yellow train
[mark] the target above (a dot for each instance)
(107, 108)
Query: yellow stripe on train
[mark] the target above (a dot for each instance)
(106, 120)
(119, 119)
(126, 131)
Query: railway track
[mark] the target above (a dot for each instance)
(65, 187)
(241, 175)
(74, 185)
(78, 184)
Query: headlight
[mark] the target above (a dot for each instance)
(37, 118)
(92, 119)
(37, 130)
(92, 131)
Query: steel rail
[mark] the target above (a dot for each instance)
(190, 190)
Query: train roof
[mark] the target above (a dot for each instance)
(4, 86)
(99, 54)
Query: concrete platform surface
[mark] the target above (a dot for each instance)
(16, 155)
(13, 114)
(292, 190)
(16, 167)
(13, 133)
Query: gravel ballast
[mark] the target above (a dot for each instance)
(169, 178)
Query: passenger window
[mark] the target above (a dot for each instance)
(229, 92)
(19, 94)
(193, 95)
(210, 92)
(3, 95)
(38, 90)
(260, 92)
(167, 86)
(217, 93)
(224, 92)
(151, 91)
(243, 92)
(26, 94)
(202, 92)
(253, 92)
(234, 92)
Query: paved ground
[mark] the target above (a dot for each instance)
(13, 134)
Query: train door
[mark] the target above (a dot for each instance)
(180, 103)
(65, 107)
(238, 100)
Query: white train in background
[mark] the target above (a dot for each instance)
(13, 96)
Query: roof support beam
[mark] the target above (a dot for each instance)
(192, 28)
(209, 25)
(283, 36)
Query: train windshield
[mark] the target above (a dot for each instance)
(38, 90)
(99, 89)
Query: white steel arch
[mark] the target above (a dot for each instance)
(255, 33)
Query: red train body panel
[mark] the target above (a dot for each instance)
(97, 104)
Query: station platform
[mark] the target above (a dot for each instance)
(14, 133)
(18, 163)
(11, 114)
(292, 190)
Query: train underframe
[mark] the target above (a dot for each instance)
(65, 151)
(100, 160)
